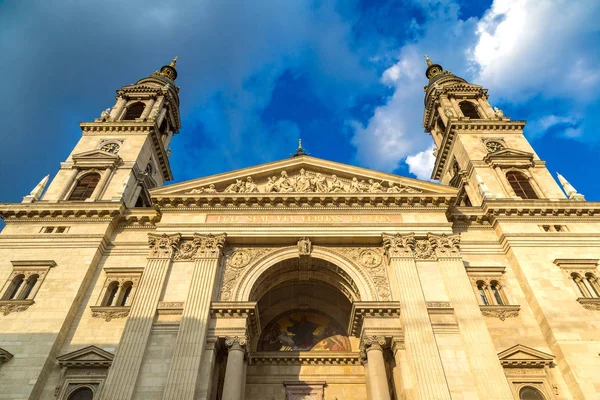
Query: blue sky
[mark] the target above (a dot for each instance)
(347, 76)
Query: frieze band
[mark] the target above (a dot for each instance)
(200, 246)
(430, 248)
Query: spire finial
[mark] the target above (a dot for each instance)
(174, 61)
(569, 189)
(299, 150)
(429, 63)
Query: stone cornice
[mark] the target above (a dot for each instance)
(304, 358)
(249, 310)
(72, 210)
(370, 309)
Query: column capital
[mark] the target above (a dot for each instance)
(236, 343)
(362, 356)
(163, 246)
(445, 246)
(397, 344)
(399, 246)
(201, 246)
(373, 343)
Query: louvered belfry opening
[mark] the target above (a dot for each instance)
(85, 187)
(521, 186)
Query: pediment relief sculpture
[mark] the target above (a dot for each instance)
(307, 182)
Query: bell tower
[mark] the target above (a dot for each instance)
(124, 153)
(479, 150)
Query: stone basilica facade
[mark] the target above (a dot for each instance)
(301, 278)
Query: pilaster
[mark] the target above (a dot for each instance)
(120, 382)
(487, 371)
(418, 333)
(206, 250)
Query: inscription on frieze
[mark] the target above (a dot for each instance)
(257, 219)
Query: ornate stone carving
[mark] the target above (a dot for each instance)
(105, 113)
(8, 306)
(501, 312)
(110, 313)
(163, 246)
(370, 259)
(398, 245)
(590, 303)
(308, 182)
(424, 250)
(237, 260)
(498, 113)
(445, 245)
(304, 246)
(236, 343)
(362, 356)
(373, 343)
(201, 246)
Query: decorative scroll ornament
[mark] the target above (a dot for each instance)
(163, 246)
(445, 245)
(373, 343)
(424, 250)
(236, 343)
(7, 308)
(109, 315)
(399, 245)
(201, 246)
(304, 246)
(501, 313)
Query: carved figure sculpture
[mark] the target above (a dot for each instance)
(393, 188)
(321, 184)
(210, 189)
(498, 112)
(284, 184)
(448, 112)
(271, 185)
(374, 187)
(354, 185)
(250, 186)
(363, 186)
(105, 113)
(304, 246)
(234, 187)
(303, 183)
(336, 185)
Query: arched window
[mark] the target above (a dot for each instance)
(580, 284)
(125, 294)
(83, 393)
(14, 287)
(520, 184)
(482, 294)
(29, 286)
(593, 282)
(85, 187)
(469, 109)
(530, 393)
(134, 111)
(440, 125)
(496, 292)
(111, 293)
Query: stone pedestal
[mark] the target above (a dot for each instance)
(418, 333)
(191, 339)
(120, 382)
(233, 387)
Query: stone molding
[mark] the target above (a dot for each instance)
(524, 356)
(373, 342)
(163, 246)
(9, 306)
(590, 303)
(370, 309)
(248, 310)
(201, 246)
(109, 313)
(500, 311)
(236, 343)
(99, 211)
(90, 356)
(304, 358)
(4, 356)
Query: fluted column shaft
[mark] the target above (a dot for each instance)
(418, 333)
(122, 375)
(191, 339)
(481, 353)
(378, 382)
(233, 386)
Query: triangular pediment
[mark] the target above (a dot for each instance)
(95, 158)
(302, 175)
(87, 356)
(522, 355)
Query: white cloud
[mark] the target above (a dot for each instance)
(421, 164)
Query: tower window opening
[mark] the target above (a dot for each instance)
(29, 286)
(469, 110)
(85, 187)
(521, 185)
(496, 292)
(14, 287)
(482, 294)
(111, 294)
(530, 393)
(134, 111)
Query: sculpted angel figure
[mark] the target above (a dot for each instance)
(250, 186)
(303, 183)
(374, 187)
(105, 113)
(336, 185)
(237, 187)
(498, 112)
(321, 184)
(354, 185)
(271, 185)
(408, 189)
(284, 184)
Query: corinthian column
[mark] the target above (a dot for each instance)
(487, 371)
(233, 386)
(418, 333)
(191, 339)
(122, 375)
(378, 383)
